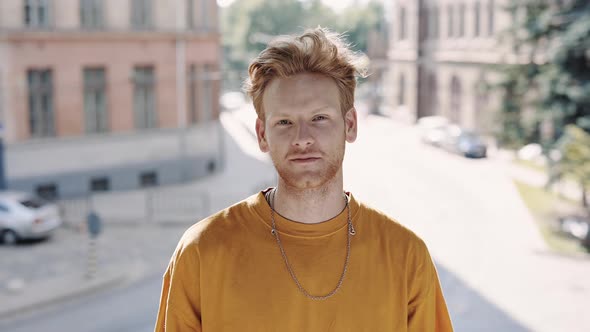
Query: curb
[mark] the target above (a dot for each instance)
(55, 291)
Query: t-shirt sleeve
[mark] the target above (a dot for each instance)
(427, 309)
(180, 308)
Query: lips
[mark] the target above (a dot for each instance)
(304, 158)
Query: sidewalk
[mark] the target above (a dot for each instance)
(24, 297)
(45, 273)
(530, 176)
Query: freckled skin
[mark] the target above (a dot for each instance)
(304, 129)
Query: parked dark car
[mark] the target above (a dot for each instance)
(464, 142)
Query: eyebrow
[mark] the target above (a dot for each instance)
(314, 111)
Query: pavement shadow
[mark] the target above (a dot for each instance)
(29, 242)
(471, 311)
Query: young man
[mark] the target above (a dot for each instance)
(306, 255)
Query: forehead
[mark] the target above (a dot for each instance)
(300, 92)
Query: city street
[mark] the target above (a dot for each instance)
(496, 271)
(122, 309)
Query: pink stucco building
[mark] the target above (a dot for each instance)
(80, 74)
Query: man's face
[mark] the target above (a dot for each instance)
(304, 129)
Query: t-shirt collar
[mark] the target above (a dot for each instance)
(300, 229)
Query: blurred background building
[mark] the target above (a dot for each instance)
(99, 95)
(441, 54)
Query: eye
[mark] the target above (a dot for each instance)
(320, 117)
(283, 122)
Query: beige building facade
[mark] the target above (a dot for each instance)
(79, 75)
(441, 56)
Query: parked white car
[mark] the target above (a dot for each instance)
(433, 129)
(24, 216)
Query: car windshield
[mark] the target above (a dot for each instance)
(470, 137)
(32, 203)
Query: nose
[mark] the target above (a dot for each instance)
(303, 136)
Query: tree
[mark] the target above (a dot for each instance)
(248, 25)
(357, 22)
(555, 36)
(574, 160)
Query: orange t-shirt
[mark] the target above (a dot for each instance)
(228, 274)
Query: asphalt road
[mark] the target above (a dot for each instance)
(129, 308)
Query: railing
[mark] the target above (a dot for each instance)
(135, 207)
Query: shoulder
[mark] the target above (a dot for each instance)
(216, 228)
(403, 244)
(389, 228)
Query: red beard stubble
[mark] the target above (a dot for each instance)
(316, 177)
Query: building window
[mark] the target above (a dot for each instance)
(207, 95)
(481, 102)
(430, 19)
(100, 184)
(190, 14)
(148, 179)
(424, 24)
(47, 191)
(40, 103)
(432, 27)
(95, 104)
(193, 94)
(402, 24)
(144, 99)
(141, 14)
(37, 13)
(201, 93)
(491, 17)
(455, 106)
(402, 90)
(450, 15)
(436, 22)
(476, 14)
(1, 95)
(91, 14)
(461, 20)
(432, 95)
(205, 16)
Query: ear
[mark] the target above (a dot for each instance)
(261, 135)
(350, 124)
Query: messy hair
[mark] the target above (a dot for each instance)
(317, 51)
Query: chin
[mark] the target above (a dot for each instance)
(307, 181)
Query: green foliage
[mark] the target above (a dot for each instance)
(555, 83)
(248, 25)
(356, 22)
(544, 206)
(574, 161)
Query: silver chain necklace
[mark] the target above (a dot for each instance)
(350, 233)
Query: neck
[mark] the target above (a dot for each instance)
(312, 205)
